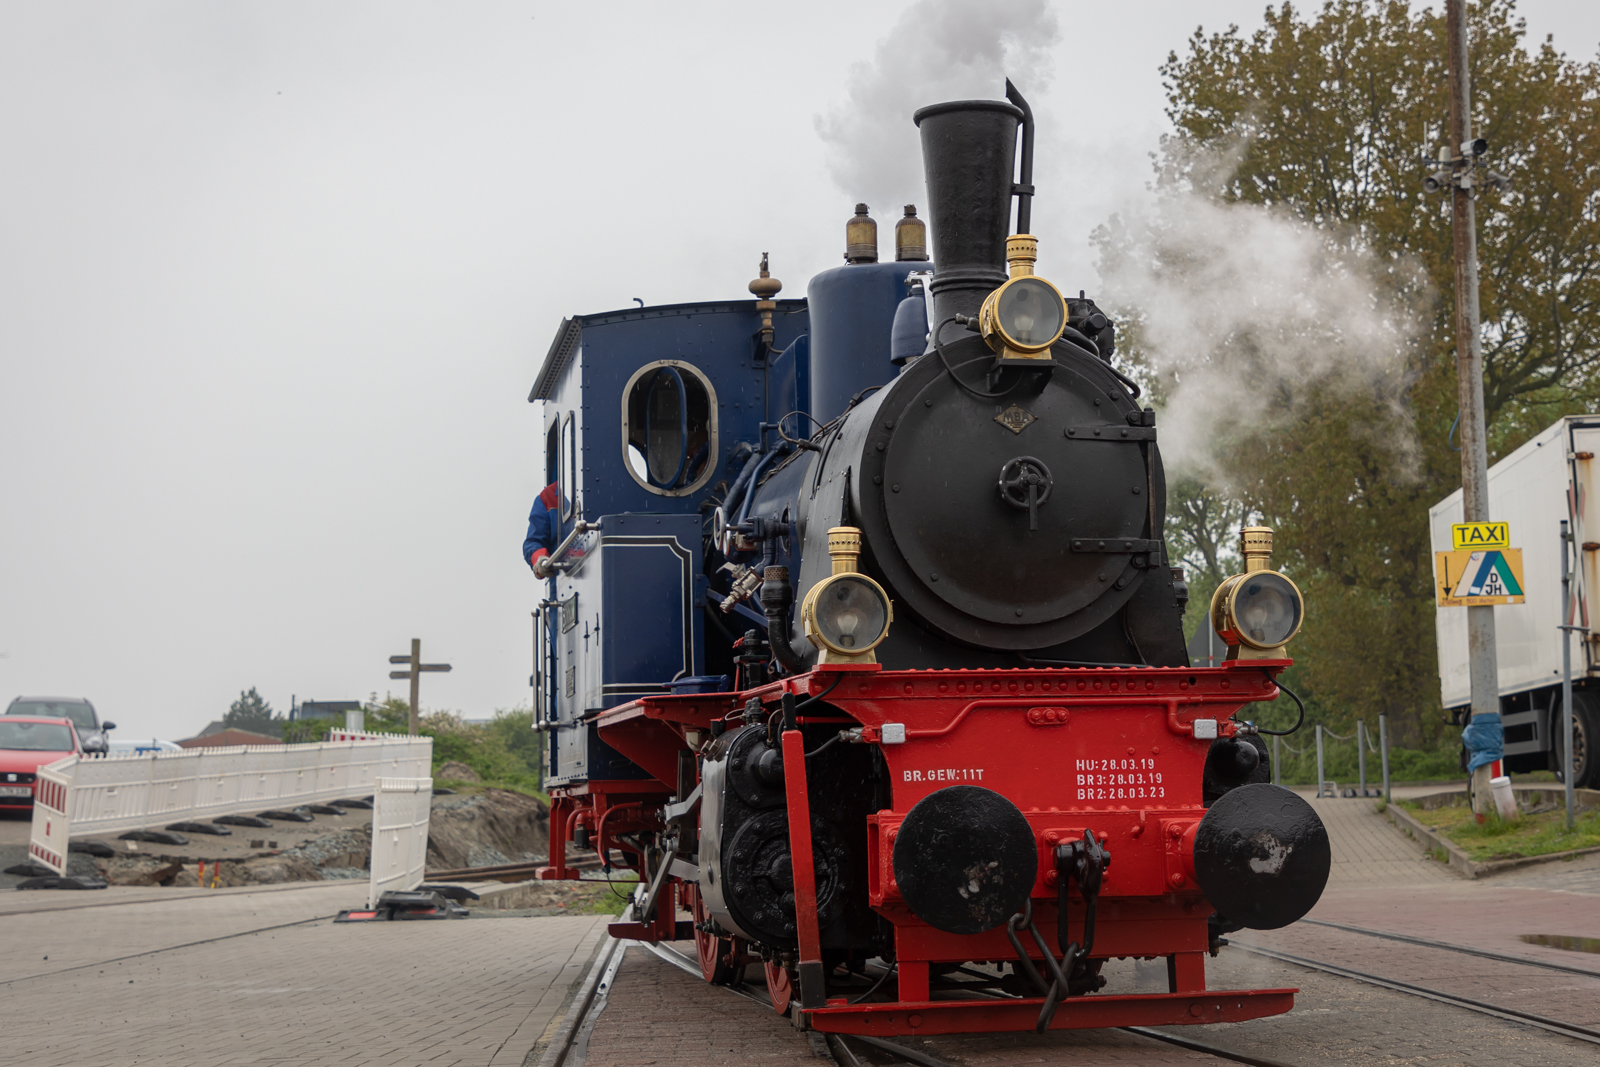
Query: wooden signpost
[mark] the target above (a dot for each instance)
(414, 673)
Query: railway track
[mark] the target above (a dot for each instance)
(569, 1046)
(1543, 1022)
(852, 1050)
(1426, 942)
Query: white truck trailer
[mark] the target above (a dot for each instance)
(1552, 477)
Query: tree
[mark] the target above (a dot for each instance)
(251, 712)
(1202, 536)
(1316, 126)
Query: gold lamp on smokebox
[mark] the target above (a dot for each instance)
(1257, 612)
(1025, 316)
(847, 614)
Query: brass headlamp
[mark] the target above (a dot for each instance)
(1257, 612)
(847, 614)
(1026, 315)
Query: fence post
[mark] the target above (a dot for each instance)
(1277, 762)
(1361, 755)
(1383, 747)
(1320, 776)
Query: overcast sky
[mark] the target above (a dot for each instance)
(275, 279)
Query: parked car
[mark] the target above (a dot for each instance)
(91, 729)
(28, 742)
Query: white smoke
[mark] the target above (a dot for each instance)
(1246, 317)
(939, 50)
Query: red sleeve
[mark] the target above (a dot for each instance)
(539, 553)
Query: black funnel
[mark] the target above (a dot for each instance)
(969, 155)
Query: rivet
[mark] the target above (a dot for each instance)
(1019, 613)
(896, 488)
(1136, 489)
(927, 403)
(877, 479)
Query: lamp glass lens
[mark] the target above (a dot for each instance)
(850, 613)
(1266, 609)
(1030, 312)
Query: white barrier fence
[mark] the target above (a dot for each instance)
(400, 809)
(133, 792)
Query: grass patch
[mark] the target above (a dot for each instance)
(1537, 834)
(603, 899)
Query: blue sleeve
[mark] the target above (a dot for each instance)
(543, 523)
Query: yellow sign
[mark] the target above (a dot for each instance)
(1480, 535)
(1479, 578)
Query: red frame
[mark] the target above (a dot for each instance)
(1109, 750)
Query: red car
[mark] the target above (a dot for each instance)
(27, 742)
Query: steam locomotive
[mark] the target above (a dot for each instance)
(863, 648)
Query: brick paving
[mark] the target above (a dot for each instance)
(256, 975)
(1380, 879)
(475, 992)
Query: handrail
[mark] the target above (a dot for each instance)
(579, 527)
(1173, 705)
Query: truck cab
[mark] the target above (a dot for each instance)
(1550, 479)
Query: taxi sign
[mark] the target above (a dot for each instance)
(1480, 535)
(1481, 578)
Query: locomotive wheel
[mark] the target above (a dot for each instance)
(717, 954)
(780, 985)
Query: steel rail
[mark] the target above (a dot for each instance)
(1429, 943)
(922, 1059)
(1543, 1022)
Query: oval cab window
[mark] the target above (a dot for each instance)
(669, 427)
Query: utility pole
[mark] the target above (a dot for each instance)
(414, 670)
(1483, 670)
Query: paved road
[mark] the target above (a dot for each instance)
(1380, 879)
(259, 976)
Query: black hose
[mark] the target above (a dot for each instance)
(876, 984)
(812, 700)
(1298, 722)
(938, 346)
(777, 598)
(1082, 340)
(830, 741)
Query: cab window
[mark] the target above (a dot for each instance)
(669, 427)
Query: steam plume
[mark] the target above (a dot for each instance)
(938, 50)
(1244, 315)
